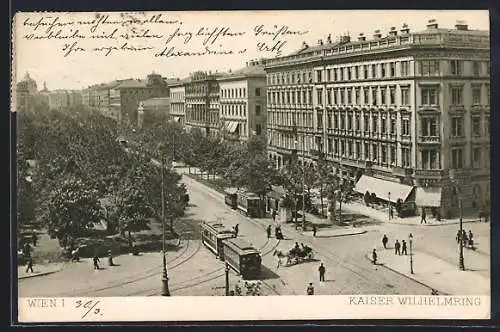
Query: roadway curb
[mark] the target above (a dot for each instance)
(368, 257)
(361, 231)
(39, 274)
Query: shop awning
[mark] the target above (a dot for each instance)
(384, 189)
(232, 126)
(428, 197)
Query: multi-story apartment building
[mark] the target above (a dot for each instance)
(178, 101)
(202, 102)
(243, 102)
(102, 101)
(124, 98)
(63, 99)
(406, 115)
(89, 97)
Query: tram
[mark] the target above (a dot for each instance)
(243, 258)
(212, 235)
(247, 203)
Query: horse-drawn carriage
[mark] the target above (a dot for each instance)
(297, 254)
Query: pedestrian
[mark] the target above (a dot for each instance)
(459, 236)
(391, 212)
(374, 257)
(34, 239)
(424, 215)
(27, 249)
(403, 248)
(96, 262)
(314, 230)
(397, 247)
(470, 235)
(268, 231)
(236, 229)
(384, 241)
(464, 238)
(29, 264)
(310, 289)
(110, 258)
(322, 271)
(274, 213)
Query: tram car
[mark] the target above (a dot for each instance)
(231, 197)
(243, 258)
(212, 236)
(249, 204)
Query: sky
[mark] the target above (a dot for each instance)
(74, 58)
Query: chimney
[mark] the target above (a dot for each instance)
(361, 37)
(377, 34)
(320, 42)
(346, 39)
(461, 25)
(405, 30)
(432, 24)
(304, 45)
(329, 38)
(393, 32)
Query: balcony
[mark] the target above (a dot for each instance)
(428, 108)
(402, 171)
(429, 140)
(285, 128)
(429, 174)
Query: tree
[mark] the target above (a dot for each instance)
(74, 207)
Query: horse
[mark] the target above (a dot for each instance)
(282, 255)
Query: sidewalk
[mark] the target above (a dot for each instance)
(382, 216)
(329, 230)
(39, 270)
(435, 273)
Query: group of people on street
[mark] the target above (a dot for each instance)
(277, 232)
(467, 240)
(399, 248)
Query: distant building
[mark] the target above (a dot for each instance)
(178, 101)
(153, 110)
(64, 99)
(243, 102)
(125, 96)
(25, 91)
(202, 102)
(89, 97)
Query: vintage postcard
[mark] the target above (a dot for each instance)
(258, 165)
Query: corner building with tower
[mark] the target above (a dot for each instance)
(405, 115)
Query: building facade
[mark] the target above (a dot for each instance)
(124, 98)
(202, 102)
(153, 110)
(411, 109)
(25, 91)
(243, 102)
(178, 101)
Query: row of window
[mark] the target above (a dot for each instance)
(382, 70)
(177, 95)
(238, 92)
(202, 116)
(239, 110)
(376, 95)
(202, 88)
(386, 154)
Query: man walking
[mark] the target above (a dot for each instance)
(424, 215)
(403, 249)
(29, 264)
(374, 257)
(322, 271)
(314, 230)
(391, 212)
(397, 247)
(236, 229)
(384, 241)
(268, 231)
(273, 214)
(96, 262)
(310, 289)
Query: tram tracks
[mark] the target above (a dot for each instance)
(177, 261)
(209, 276)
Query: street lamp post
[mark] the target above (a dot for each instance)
(303, 186)
(341, 183)
(389, 204)
(461, 264)
(164, 277)
(227, 279)
(411, 253)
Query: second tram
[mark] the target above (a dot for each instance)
(212, 235)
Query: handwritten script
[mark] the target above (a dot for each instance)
(157, 35)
